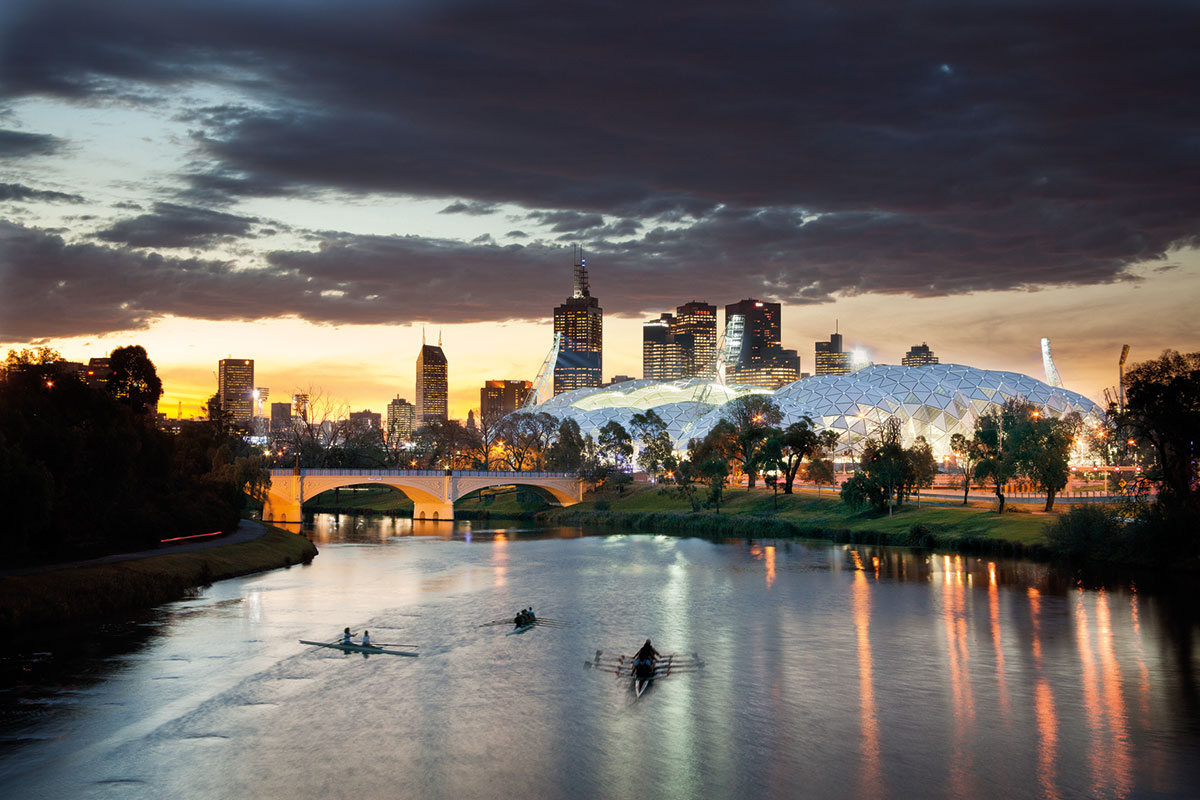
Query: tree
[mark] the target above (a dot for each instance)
(1162, 411)
(751, 417)
(966, 458)
(796, 442)
(885, 461)
(134, 380)
(862, 490)
(685, 475)
(657, 452)
(716, 470)
(997, 458)
(922, 468)
(1042, 448)
(616, 445)
(526, 437)
(820, 471)
(565, 454)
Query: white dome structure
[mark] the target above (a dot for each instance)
(934, 401)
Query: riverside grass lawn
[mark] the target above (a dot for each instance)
(948, 519)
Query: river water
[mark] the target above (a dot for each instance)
(831, 671)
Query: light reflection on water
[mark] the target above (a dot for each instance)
(833, 671)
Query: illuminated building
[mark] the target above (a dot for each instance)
(665, 354)
(919, 355)
(261, 395)
(401, 419)
(498, 398)
(97, 372)
(761, 359)
(235, 387)
(699, 321)
(580, 320)
(433, 385)
(366, 420)
(830, 358)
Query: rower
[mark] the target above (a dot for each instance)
(346, 636)
(647, 653)
(366, 640)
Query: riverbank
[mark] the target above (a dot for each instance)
(758, 514)
(51, 598)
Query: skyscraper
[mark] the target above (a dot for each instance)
(698, 320)
(580, 320)
(919, 355)
(433, 385)
(830, 359)
(498, 398)
(235, 387)
(401, 416)
(261, 395)
(281, 417)
(761, 359)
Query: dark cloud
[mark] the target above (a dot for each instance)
(472, 209)
(799, 150)
(18, 144)
(21, 193)
(173, 225)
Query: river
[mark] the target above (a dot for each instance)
(831, 672)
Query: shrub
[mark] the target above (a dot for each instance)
(1090, 532)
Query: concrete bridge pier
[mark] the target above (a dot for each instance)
(281, 512)
(433, 512)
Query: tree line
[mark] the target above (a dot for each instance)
(85, 471)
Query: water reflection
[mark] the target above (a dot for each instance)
(834, 671)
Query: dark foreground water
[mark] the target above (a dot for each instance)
(832, 672)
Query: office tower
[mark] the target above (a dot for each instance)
(662, 358)
(235, 387)
(300, 407)
(261, 395)
(366, 420)
(498, 398)
(433, 384)
(699, 321)
(830, 359)
(401, 419)
(919, 355)
(580, 320)
(761, 359)
(621, 379)
(281, 417)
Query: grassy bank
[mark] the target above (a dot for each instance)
(53, 598)
(501, 502)
(757, 514)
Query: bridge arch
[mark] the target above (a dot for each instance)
(433, 492)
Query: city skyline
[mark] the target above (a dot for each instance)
(223, 188)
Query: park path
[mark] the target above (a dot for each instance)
(247, 531)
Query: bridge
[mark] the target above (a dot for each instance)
(433, 492)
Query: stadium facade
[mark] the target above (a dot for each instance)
(934, 401)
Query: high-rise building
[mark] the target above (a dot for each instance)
(401, 420)
(498, 398)
(830, 358)
(699, 321)
(366, 420)
(281, 417)
(761, 359)
(919, 355)
(580, 320)
(433, 384)
(235, 387)
(665, 356)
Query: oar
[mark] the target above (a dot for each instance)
(393, 644)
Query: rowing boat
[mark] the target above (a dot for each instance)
(528, 626)
(368, 649)
(625, 666)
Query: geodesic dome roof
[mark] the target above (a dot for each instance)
(935, 401)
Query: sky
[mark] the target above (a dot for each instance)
(319, 185)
